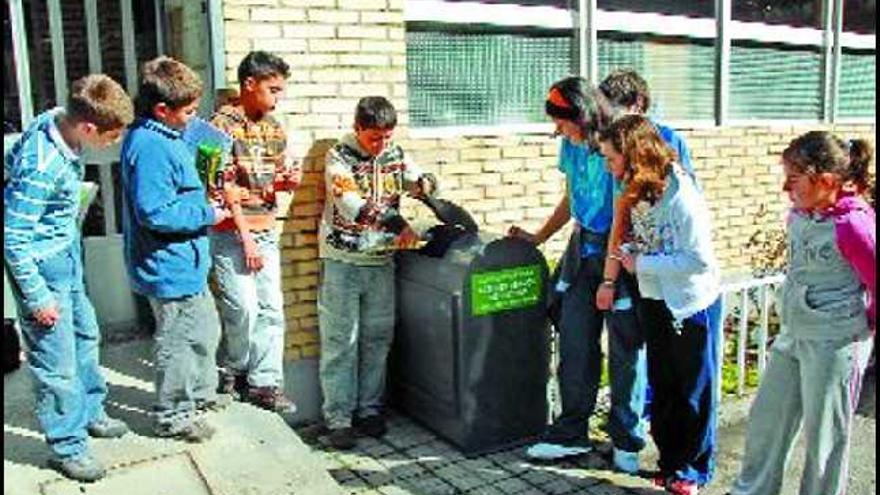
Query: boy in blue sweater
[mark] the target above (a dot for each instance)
(43, 174)
(166, 217)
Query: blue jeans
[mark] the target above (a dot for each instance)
(70, 389)
(356, 313)
(580, 330)
(684, 367)
(251, 308)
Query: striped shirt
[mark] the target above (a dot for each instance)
(41, 201)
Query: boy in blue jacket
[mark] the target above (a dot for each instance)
(166, 217)
(43, 173)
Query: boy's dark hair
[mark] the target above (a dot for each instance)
(261, 65)
(575, 99)
(100, 100)
(625, 88)
(169, 81)
(819, 152)
(375, 112)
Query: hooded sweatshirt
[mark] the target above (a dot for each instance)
(362, 210)
(830, 289)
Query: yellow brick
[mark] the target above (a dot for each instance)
(311, 351)
(521, 177)
(278, 14)
(332, 16)
(363, 32)
(361, 60)
(522, 152)
(503, 166)
(504, 191)
(308, 31)
(383, 46)
(361, 4)
(382, 17)
(233, 13)
(239, 29)
(480, 154)
(334, 46)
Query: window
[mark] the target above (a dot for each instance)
(493, 67)
(679, 72)
(858, 84)
(494, 70)
(775, 82)
(482, 79)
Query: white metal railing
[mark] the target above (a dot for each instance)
(739, 291)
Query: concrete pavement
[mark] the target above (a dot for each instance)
(255, 452)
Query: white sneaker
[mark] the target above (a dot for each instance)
(627, 462)
(553, 451)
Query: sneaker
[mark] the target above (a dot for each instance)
(626, 462)
(271, 398)
(218, 403)
(371, 426)
(107, 427)
(339, 439)
(84, 468)
(197, 431)
(232, 384)
(554, 447)
(683, 487)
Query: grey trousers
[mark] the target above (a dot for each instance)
(809, 384)
(186, 339)
(356, 317)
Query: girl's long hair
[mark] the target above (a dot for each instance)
(818, 152)
(648, 158)
(575, 99)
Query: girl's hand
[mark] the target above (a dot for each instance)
(519, 233)
(605, 296)
(47, 316)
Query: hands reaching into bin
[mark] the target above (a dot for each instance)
(519, 233)
(407, 239)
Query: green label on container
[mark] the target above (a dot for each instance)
(503, 290)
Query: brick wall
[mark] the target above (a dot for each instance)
(340, 50)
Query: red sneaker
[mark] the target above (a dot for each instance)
(683, 487)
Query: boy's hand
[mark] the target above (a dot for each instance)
(47, 316)
(519, 233)
(232, 194)
(252, 258)
(407, 239)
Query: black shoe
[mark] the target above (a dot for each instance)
(339, 439)
(371, 426)
(312, 434)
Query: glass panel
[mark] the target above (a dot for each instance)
(860, 16)
(775, 82)
(482, 79)
(110, 29)
(691, 8)
(189, 41)
(144, 12)
(11, 108)
(679, 72)
(76, 45)
(799, 13)
(36, 25)
(858, 83)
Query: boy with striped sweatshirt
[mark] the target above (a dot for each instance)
(43, 173)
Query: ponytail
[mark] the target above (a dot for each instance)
(860, 155)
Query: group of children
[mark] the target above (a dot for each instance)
(640, 255)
